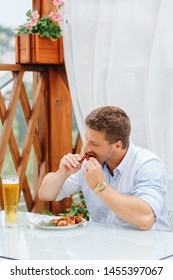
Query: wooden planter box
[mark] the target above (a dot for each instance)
(31, 48)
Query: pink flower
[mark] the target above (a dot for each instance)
(60, 18)
(35, 15)
(58, 2)
(33, 22)
(29, 27)
(54, 16)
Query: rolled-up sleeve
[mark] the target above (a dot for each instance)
(151, 184)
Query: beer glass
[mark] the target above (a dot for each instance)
(10, 191)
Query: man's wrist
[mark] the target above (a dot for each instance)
(61, 174)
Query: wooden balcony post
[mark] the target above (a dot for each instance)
(59, 114)
(60, 124)
(36, 5)
(46, 7)
(43, 6)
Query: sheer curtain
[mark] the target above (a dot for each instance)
(120, 52)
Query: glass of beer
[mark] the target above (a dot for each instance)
(10, 191)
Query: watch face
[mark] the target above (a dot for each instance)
(100, 186)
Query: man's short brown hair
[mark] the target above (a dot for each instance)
(111, 120)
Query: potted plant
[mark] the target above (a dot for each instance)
(39, 40)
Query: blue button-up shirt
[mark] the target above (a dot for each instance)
(141, 173)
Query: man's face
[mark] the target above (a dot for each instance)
(97, 146)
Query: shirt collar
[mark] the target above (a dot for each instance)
(129, 154)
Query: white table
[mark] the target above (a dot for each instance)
(93, 242)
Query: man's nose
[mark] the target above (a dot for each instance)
(87, 147)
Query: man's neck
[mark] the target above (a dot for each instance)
(116, 161)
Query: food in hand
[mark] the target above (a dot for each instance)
(85, 156)
(67, 220)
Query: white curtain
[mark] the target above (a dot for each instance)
(120, 52)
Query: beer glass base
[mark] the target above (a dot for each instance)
(11, 225)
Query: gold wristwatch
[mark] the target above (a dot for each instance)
(100, 187)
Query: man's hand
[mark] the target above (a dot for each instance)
(69, 164)
(93, 172)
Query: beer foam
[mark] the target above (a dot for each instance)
(10, 179)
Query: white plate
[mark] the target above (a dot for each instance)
(37, 222)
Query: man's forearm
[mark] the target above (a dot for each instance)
(51, 185)
(129, 208)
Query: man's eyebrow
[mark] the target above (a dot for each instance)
(93, 142)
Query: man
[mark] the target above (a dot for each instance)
(122, 184)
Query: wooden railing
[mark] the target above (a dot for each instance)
(49, 127)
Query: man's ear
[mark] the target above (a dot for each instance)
(118, 145)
